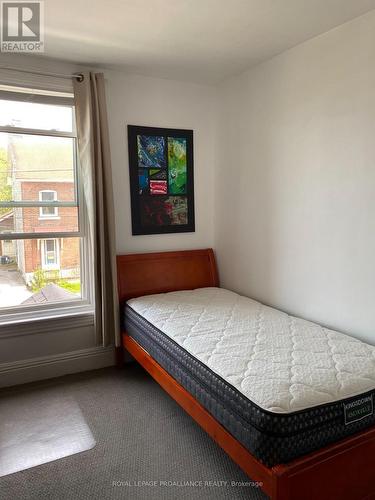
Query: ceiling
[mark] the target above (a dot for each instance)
(197, 40)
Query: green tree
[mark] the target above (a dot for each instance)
(5, 189)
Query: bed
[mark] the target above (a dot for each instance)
(290, 402)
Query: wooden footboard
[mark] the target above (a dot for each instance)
(342, 471)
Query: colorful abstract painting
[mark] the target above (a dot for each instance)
(151, 151)
(177, 165)
(161, 180)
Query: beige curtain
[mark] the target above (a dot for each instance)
(96, 173)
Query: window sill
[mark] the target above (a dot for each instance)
(63, 318)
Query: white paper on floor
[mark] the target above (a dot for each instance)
(36, 429)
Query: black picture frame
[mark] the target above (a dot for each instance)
(161, 212)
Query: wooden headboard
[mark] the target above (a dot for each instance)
(148, 273)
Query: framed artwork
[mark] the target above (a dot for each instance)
(161, 180)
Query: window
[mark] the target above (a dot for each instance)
(48, 211)
(50, 254)
(44, 263)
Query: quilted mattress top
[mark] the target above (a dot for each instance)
(281, 363)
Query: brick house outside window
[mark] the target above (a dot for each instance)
(44, 174)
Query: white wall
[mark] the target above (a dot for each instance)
(141, 100)
(133, 100)
(138, 100)
(293, 177)
(295, 191)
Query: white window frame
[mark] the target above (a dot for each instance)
(44, 252)
(42, 214)
(80, 307)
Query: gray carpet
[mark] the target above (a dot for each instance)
(142, 435)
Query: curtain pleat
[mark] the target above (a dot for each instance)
(96, 176)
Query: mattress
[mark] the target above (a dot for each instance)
(282, 386)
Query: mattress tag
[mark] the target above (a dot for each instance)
(358, 409)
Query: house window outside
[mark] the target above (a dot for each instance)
(50, 254)
(49, 211)
(44, 261)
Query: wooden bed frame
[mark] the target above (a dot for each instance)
(344, 470)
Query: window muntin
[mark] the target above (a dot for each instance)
(42, 224)
(25, 220)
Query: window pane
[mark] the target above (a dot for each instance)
(39, 271)
(30, 164)
(34, 115)
(49, 211)
(39, 220)
(50, 245)
(50, 254)
(48, 195)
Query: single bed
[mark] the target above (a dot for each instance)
(280, 394)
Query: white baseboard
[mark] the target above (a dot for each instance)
(29, 370)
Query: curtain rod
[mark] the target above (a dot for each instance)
(79, 76)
